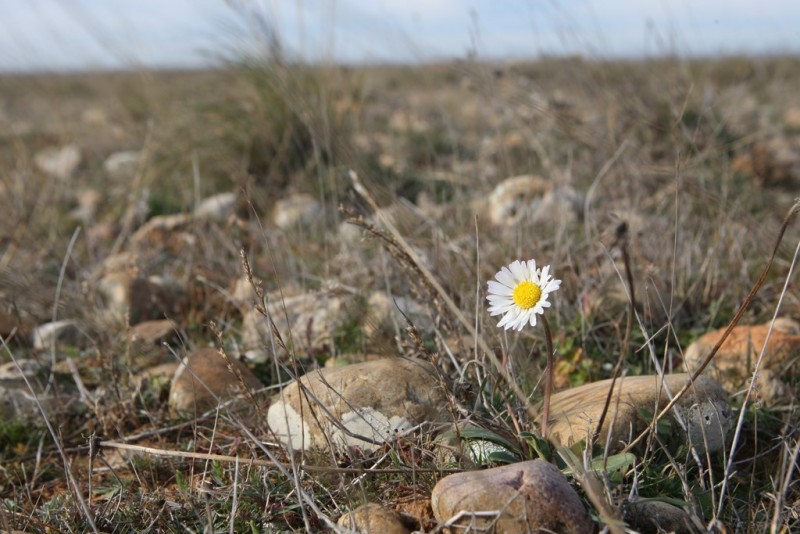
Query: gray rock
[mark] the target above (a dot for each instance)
(528, 496)
(339, 406)
(59, 162)
(205, 379)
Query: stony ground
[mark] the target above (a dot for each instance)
(177, 248)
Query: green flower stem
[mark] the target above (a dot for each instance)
(548, 380)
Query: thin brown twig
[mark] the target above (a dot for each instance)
(548, 380)
(266, 463)
(622, 239)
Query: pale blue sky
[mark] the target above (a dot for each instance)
(91, 34)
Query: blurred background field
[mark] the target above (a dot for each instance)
(682, 150)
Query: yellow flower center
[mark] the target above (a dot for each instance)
(526, 294)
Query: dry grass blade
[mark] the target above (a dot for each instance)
(76, 490)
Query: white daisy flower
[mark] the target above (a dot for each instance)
(520, 293)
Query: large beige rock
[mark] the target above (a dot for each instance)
(339, 406)
(733, 364)
(205, 379)
(372, 518)
(530, 496)
(575, 413)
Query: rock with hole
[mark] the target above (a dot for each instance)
(705, 410)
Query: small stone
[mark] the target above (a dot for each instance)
(60, 332)
(515, 199)
(372, 518)
(733, 364)
(530, 496)
(659, 516)
(296, 210)
(153, 332)
(217, 207)
(376, 400)
(59, 162)
(574, 413)
(204, 379)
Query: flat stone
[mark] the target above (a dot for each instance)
(376, 400)
(204, 379)
(58, 161)
(574, 413)
(372, 518)
(530, 496)
(659, 516)
(58, 332)
(733, 364)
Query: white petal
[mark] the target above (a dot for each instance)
(532, 269)
(519, 270)
(505, 277)
(496, 288)
(545, 274)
